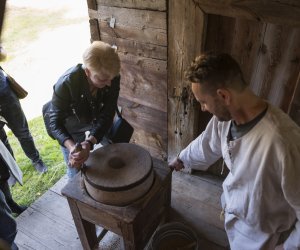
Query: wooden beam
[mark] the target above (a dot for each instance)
(94, 29)
(92, 4)
(138, 18)
(277, 64)
(2, 11)
(186, 33)
(136, 48)
(292, 73)
(159, 5)
(271, 11)
(294, 107)
(143, 26)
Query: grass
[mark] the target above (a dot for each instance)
(35, 184)
(23, 25)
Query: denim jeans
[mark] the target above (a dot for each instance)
(11, 110)
(71, 172)
(8, 225)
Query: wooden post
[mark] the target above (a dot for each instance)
(187, 28)
(2, 11)
(270, 11)
(92, 4)
(294, 107)
(94, 29)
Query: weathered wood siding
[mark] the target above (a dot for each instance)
(268, 54)
(263, 36)
(140, 34)
(187, 26)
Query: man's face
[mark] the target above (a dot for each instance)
(99, 79)
(211, 103)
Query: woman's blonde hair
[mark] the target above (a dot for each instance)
(101, 56)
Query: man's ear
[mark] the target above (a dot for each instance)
(224, 95)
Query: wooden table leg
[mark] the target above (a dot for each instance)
(129, 237)
(85, 229)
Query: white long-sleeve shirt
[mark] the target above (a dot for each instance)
(262, 190)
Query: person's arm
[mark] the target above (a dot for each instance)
(61, 101)
(202, 152)
(105, 119)
(291, 189)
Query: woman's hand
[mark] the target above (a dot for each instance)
(176, 164)
(79, 154)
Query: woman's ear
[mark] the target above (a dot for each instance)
(87, 72)
(224, 95)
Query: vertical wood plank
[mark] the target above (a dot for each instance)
(187, 28)
(220, 34)
(92, 4)
(291, 84)
(272, 11)
(294, 108)
(2, 11)
(277, 65)
(159, 5)
(94, 29)
(246, 43)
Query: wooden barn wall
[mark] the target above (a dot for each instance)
(269, 55)
(263, 36)
(140, 34)
(186, 30)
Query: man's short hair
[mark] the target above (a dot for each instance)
(101, 56)
(215, 71)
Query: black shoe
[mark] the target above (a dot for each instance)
(40, 166)
(15, 208)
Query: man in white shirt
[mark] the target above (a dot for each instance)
(260, 145)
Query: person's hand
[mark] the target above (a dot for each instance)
(176, 164)
(79, 154)
(279, 247)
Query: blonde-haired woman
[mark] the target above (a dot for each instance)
(85, 99)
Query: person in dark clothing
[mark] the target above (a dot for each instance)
(11, 111)
(9, 231)
(8, 225)
(4, 176)
(84, 100)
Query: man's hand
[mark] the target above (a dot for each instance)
(279, 247)
(176, 164)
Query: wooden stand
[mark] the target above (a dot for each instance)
(135, 222)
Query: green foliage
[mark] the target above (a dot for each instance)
(35, 184)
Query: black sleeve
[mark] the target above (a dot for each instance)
(61, 101)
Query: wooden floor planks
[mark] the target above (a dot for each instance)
(48, 224)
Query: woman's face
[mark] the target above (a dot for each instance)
(99, 79)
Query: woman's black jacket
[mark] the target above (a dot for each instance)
(75, 111)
